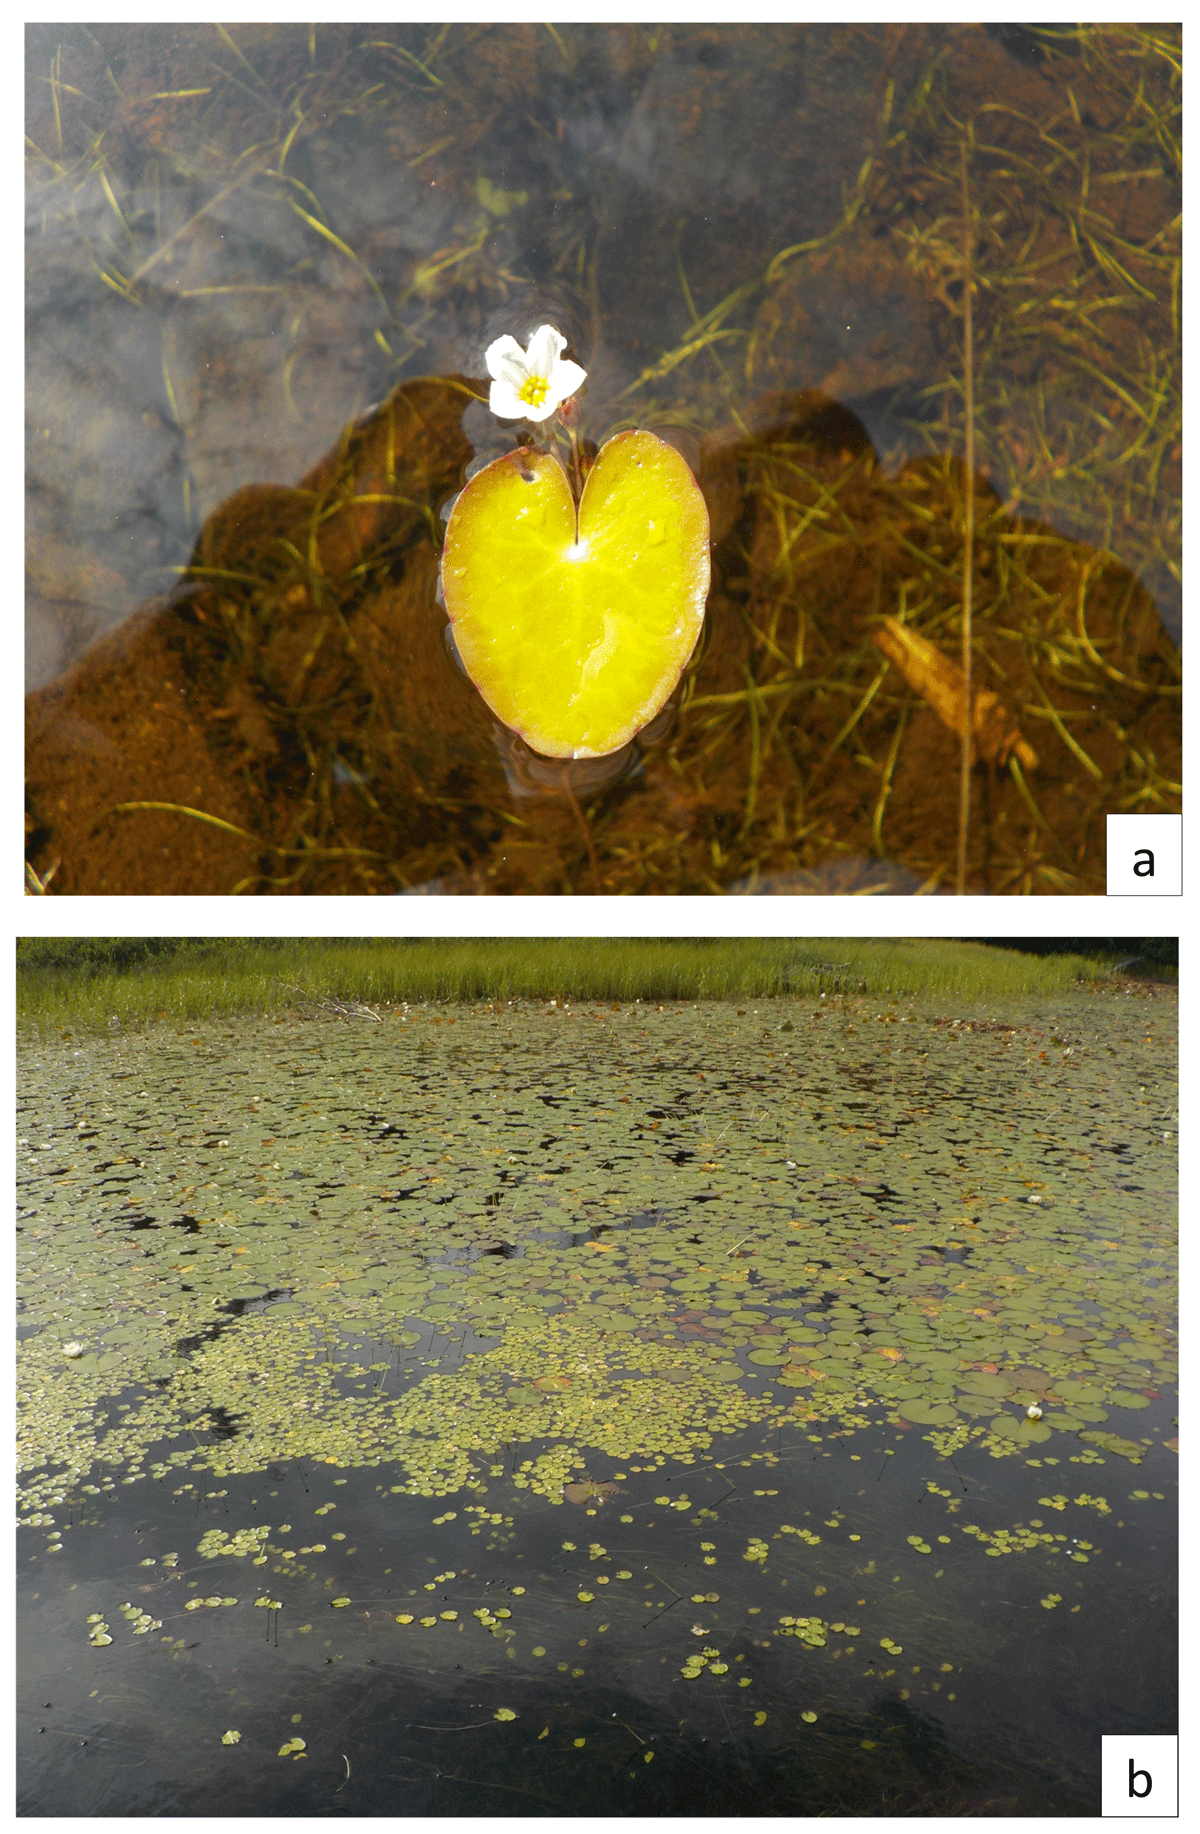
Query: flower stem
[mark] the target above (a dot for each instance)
(576, 464)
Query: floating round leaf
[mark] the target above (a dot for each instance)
(583, 1493)
(928, 1413)
(576, 625)
(979, 1383)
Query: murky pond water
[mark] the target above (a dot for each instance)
(604, 1410)
(250, 248)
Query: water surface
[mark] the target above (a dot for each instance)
(759, 242)
(644, 1438)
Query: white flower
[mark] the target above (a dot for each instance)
(72, 1349)
(530, 384)
(1034, 1412)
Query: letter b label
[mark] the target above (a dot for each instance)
(1140, 1783)
(1140, 1776)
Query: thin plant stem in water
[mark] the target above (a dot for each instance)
(964, 781)
(583, 825)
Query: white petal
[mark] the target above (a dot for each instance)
(504, 350)
(545, 346)
(566, 380)
(547, 408)
(512, 372)
(505, 402)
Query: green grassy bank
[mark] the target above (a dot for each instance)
(83, 983)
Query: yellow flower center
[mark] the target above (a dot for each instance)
(533, 391)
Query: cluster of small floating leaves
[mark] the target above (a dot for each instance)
(139, 1621)
(814, 1631)
(805, 1534)
(782, 1274)
(706, 1658)
(246, 1541)
(1026, 1539)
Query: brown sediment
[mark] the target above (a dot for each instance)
(128, 724)
(299, 689)
(307, 624)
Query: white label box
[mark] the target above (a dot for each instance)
(1144, 856)
(1140, 1776)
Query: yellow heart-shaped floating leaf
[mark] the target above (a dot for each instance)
(576, 628)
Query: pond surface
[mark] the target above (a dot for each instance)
(263, 266)
(611, 1410)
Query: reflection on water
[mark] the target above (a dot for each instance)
(399, 1399)
(759, 243)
